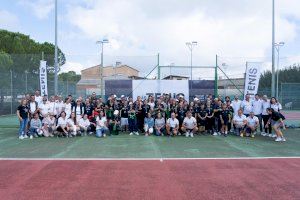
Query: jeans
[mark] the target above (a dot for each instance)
(23, 125)
(101, 131)
(132, 125)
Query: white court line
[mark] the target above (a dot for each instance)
(144, 159)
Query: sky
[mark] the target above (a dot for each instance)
(236, 31)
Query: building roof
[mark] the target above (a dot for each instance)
(119, 66)
(175, 76)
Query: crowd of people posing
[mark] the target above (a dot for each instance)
(43, 116)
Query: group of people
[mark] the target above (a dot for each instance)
(53, 116)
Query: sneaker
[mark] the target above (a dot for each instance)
(283, 139)
(263, 134)
(278, 139)
(146, 134)
(35, 135)
(192, 134)
(252, 135)
(131, 133)
(31, 137)
(274, 135)
(225, 135)
(137, 133)
(186, 134)
(90, 133)
(25, 136)
(215, 134)
(270, 135)
(21, 137)
(104, 135)
(179, 134)
(241, 135)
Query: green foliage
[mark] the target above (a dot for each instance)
(289, 74)
(26, 53)
(70, 76)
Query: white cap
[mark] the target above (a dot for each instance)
(180, 96)
(196, 99)
(122, 96)
(116, 112)
(115, 96)
(130, 103)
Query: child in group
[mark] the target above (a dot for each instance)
(225, 119)
(252, 124)
(114, 123)
(148, 124)
(35, 126)
(201, 118)
(132, 120)
(72, 125)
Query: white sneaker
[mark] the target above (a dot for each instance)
(192, 134)
(104, 135)
(21, 137)
(270, 135)
(219, 133)
(263, 134)
(215, 134)
(131, 133)
(31, 137)
(186, 134)
(254, 133)
(274, 135)
(278, 139)
(283, 139)
(137, 133)
(25, 136)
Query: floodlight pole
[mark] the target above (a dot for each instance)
(101, 42)
(55, 56)
(277, 47)
(216, 77)
(191, 46)
(273, 49)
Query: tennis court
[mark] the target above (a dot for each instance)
(138, 167)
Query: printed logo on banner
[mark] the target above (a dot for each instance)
(157, 88)
(43, 78)
(252, 78)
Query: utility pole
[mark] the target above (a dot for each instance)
(273, 49)
(102, 42)
(191, 46)
(55, 56)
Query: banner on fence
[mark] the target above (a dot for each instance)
(252, 78)
(43, 78)
(144, 88)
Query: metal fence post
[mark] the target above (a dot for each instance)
(11, 92)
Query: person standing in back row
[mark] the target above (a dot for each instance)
(257, 106)
(246, 105)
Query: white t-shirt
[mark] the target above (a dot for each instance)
(277, 107)
(44, 108)
(239, 119)
(59, 107)
(247, 106)
(265, 105)
(62, 121)
(68, 109)
(257, 107)
(84, 122)
(38, 99)
(52, 108)
(33, 107)
(236, 105)
(189, 122)
(173, 123)
(252, 121)
(100, 122)
(70, 122)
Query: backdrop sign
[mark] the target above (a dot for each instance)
(144, 88)
(252, 78)
(43, 78)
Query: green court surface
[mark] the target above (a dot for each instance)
(125, 146)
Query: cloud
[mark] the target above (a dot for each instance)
(72, 66)
(40, 8)
(229, 28)
(9, 21)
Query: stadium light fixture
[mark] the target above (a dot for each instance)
(277, 47)
(191, 46)
(102, 42)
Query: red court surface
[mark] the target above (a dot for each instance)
(170, 179)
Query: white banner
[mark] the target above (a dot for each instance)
(144, 88)
(252, 78)
(43, 78)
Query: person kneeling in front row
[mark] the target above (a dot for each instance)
(189, 125)
(239, 122)
(172, 125)
(252, 124)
